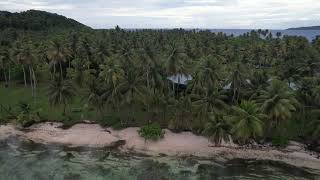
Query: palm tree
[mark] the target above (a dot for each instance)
(217, 128)
(79, 73)
(208, 73)
(157, 77)
(258, 81)
(208, 101)
(156, 103)
(95, 96)
(247, 121)
(177, 62)
(316, 94)
(147, 60)
(86, 50)
(181, 115)
(58, 55)
(131, 89)
(237, 82)
(277, 102)
(60, 92)
(5, 65)
(24, 57)
(111, 72)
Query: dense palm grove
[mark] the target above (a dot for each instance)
(252, 87)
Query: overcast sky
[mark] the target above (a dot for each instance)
(244, 14)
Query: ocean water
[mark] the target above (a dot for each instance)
(30, 161)
(309, 34)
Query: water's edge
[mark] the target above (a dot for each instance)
(84, 137)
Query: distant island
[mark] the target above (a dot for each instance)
(306, 28)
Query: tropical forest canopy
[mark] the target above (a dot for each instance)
(252, 87)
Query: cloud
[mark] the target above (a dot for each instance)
(272, 14)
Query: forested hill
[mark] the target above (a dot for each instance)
(306, 28)
(37, 21)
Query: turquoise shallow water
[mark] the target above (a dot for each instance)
(24, 161)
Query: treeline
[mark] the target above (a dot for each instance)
(251, 87)
(36, 20)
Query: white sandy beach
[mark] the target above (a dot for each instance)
(173, 144)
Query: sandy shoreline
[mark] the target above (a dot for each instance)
(173, 144)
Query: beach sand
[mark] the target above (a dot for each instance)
(173, 144)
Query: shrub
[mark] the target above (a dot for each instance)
(151, 132)
(27, 115)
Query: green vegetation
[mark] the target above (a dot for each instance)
(36, 20)
(151, 132)
(251, 87)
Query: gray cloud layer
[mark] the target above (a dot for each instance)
(272, 14)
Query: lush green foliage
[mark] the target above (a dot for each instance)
(249, 87)
(36, 20)
(27, 115)
(218, 128)
(248, 121)
(151, 132)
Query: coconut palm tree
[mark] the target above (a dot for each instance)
(5, 65)
(131, 89)
(24, 57)
(112, 72)
(247, 120)
(277, 102)
(157, 77)
(208, 73)
(238, 81)
(147, 60)
(177, 62)
(316, 94)
(95, 96)
(156, 103)
(79, 74)
(181, 115)
(57, 56)
(217, 128)
(60, 92)
(208, 101)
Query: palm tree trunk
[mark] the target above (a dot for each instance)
(234, 94)
(54, 68)
(148, 78)
(9, 73)
(24, 76)
(31, 80)
(64, 109)
(173, 88)
(5, 77)
(61, 70)
(34, 82)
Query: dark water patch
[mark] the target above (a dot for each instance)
(251, 166)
